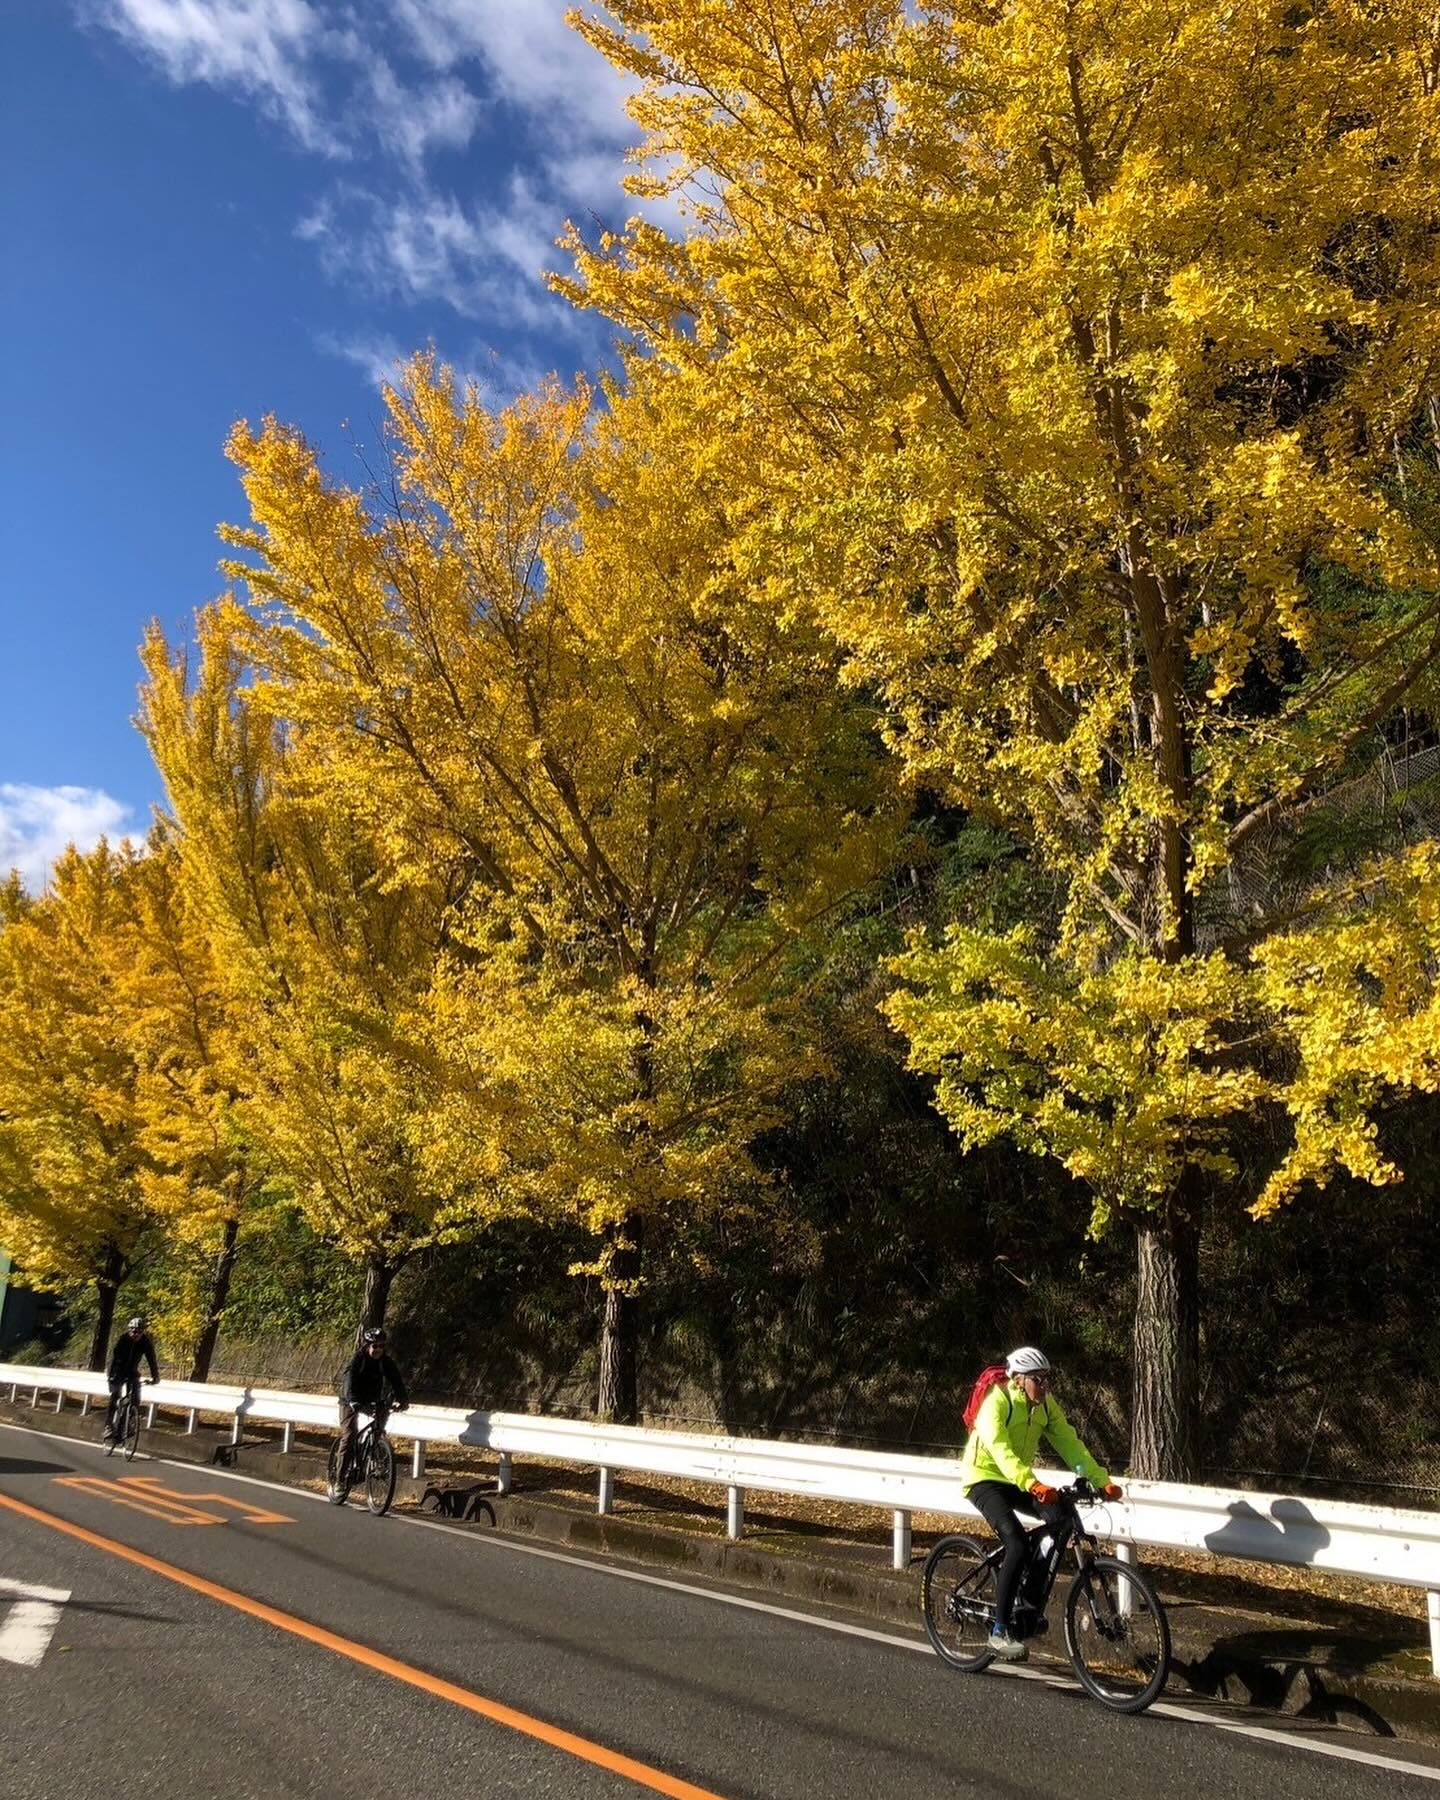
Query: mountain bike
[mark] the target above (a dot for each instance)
(1116, 1632)
(372, 1460)
(125, 1425)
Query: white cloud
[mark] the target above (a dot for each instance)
(424, 245)
(535, 60)
(314, 64)
(497, 377)
(377, 354)
(259, 47)
(442, 115)
(389, 84)
(36, 823)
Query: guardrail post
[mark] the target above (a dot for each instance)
(900, 1541)
(417, 1460)
(14, 1390)
(1432, 1606)
(34, 1397)
(506, 1473)
(1125, 1553)
(150, 1415)
(192, 1421)
(607, 1491)
(59, 1399)
(734, 1513)
(237, 1430)
(287, 1438)
(84, 1405)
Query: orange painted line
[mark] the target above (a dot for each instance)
(150, 1487)
(573, 1745)
(168, 1510)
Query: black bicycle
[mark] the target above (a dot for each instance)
(371, 1460)
(1115, 1626)
(125, 1425)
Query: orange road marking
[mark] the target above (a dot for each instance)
(172, 1512)
(150, 1486)
(148, 1494)
(599, 1754)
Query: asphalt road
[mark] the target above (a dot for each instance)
(380, 1656)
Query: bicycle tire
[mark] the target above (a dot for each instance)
(379, 1475)
(112, 1443)
(959, 1574)
(1119, 1663)
(335, 1492)
(132, 1431)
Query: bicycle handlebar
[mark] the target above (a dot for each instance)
(1079, 1493)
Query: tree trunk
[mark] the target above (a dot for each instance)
(107, 1287)
(617, 1400)
(379, 1274)
(219, 1294)
(1165, 1414)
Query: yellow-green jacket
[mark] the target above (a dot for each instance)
(1007, 1434)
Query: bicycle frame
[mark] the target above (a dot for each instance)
(364, 1437)
(1068, 1534)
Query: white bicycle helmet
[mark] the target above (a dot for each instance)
(135, 1324)
(1027, 1361)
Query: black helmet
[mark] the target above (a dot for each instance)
(373, 1334)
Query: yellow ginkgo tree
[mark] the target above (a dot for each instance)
(322, 961)
(201, 1178)
(541, 680)
(1095, 353)
(72, 1205)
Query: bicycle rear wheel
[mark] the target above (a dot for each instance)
(336, 1488)
(1117, 1635)
(132, 1431)
(119, 1424)
(957, 1597)
(379, 1475)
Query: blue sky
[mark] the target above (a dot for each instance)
(214, 209)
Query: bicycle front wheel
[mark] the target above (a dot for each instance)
(132, 1431)
(957, 1597)
(1117, 1635)
(379, 1476)
(119, 1425)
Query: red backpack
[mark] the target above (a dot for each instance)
(990, 1377)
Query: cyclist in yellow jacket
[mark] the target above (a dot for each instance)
(1000, 1483)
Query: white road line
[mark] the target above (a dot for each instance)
(1168, 1709)
(29, 1623)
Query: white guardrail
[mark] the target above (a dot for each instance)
(1373, 1542)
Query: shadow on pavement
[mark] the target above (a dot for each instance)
(1286, 1672)
(112, 1609)
(28, 1465)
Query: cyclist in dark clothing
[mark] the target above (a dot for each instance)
(362, 1387)
(133, 1344)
